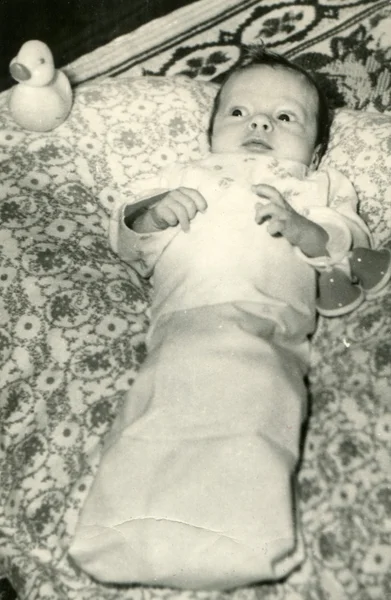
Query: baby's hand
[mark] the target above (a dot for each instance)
(299, 231)
(283, 219)
(178, 206)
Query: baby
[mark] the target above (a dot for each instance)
(195, 486)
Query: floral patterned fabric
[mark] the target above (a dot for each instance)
(72, 325)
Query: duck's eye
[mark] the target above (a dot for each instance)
(237, 112)
(284, 117)
(41, 61)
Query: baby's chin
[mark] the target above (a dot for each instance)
(256, 148)
(253, 148)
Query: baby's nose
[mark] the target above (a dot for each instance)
(261, 122)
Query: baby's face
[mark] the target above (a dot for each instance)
(266, 110)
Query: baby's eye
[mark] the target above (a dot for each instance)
(284, 117)
(237, 112)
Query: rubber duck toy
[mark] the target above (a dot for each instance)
(42, 99)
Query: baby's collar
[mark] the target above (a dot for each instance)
(281, 166)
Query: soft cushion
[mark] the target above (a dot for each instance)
(360, 147)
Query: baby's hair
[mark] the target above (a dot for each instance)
(257, 55)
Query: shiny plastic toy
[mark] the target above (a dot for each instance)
(340, 293)
(42, 99)
(347, 276)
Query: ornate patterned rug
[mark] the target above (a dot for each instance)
(347, 44)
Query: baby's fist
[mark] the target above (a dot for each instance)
(179, 206)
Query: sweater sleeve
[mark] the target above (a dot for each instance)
(339, 218)
(141, 251)
(343, 199)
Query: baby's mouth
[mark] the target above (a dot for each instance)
(257, 145)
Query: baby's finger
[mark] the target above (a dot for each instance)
(164, 216)
(176, 212)
(183, 216)
(276, 226)
(269, 192)
(195, 196)
(186, 201)
(263, 212)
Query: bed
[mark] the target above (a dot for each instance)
(73, 317)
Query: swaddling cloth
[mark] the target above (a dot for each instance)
(194, 488)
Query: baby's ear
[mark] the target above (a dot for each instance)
(315, 160)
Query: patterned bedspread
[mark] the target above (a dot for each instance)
(73, 317)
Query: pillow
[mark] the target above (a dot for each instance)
(360, 147)
(143, 124)
(73, 319)
(146, 123)
(137, 126)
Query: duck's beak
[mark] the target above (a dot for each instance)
(19, 72)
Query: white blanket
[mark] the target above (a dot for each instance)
(194, 489)
(195, 486)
